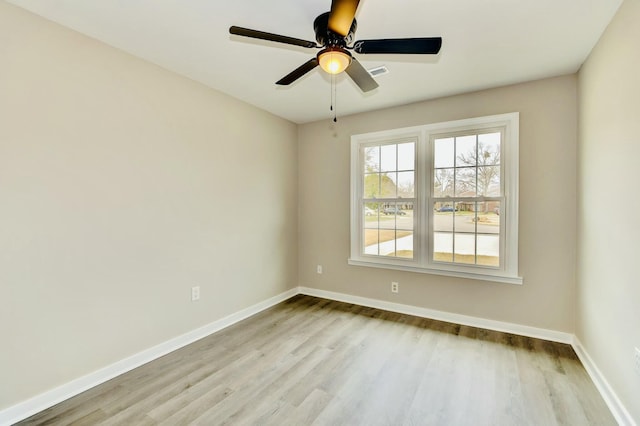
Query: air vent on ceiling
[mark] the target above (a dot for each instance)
(381, 70)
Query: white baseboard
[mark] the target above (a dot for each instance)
(522, 330)
(606, 391)
(50, 398)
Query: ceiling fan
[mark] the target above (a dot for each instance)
(334, 34)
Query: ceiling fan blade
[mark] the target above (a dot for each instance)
(423, 45)
(246, 32)
(341, 15)
(361, 76)
(298, 72)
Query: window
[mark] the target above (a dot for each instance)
(388, 199)
(440, 198)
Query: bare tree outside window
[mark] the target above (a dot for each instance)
(482, 174)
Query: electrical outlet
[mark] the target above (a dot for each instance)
(395, 287)
(319, 269)
(195, 293)
(637, 359)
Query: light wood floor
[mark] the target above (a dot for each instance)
(313, 361)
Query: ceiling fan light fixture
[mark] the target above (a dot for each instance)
(334, 60)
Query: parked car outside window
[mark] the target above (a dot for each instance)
(394, 210)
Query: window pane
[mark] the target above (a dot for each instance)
(488, 217)
(370, 242)
(388, 158)
(495, 207)
(388, 188)
(464, 248)
(488, 228)
(489, 250)
(405, 247)
(489, 181)
(406, 156)
(489, 149)
(443, 217)
(443, 183)
(464, 209)
(466, 151)
(465, 179)
(371, 185)
(465, 216)
(443, 153)
(370, 212)
(372, 159)
(443, 246)
(371, 228)
(406, 184)
(404, 216)
(404, 233)
(388, 216)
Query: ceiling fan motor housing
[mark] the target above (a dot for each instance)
(326, 37)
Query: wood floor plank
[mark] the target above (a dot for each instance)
(312, 361)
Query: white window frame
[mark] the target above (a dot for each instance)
(422, 262)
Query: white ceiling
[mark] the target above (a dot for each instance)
(486, 43)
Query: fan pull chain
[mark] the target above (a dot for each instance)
(334, 97)
(331, 94)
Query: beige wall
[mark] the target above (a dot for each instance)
(548, 127)
(608, 303)
(121, 186)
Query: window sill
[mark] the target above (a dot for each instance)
(507, 279)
